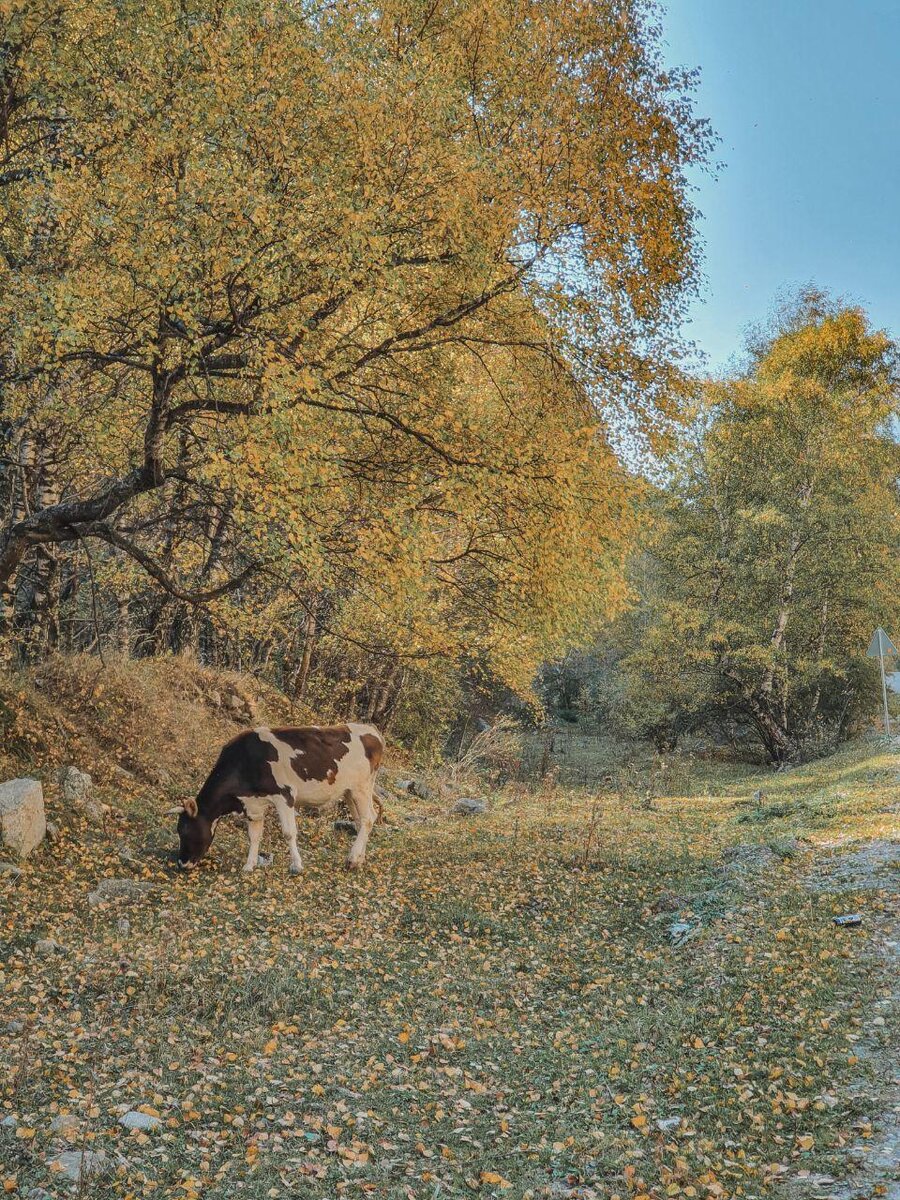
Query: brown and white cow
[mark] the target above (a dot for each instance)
(310, 767)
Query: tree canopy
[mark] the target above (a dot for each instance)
(316, 316)
(775, 555)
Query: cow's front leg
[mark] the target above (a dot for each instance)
(287, 818)
(364, 814)
(255, 832)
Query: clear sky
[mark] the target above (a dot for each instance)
(805, 96)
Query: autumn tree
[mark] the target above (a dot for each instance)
(313, 318)
(777, 549)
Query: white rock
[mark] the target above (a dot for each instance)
(22, 820)
(79, 1164)
(10, 869)
(140, 1120)
(52, 831)
(45, 947)
(9, 1122)
(668, 1124)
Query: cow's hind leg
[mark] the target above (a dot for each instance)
(363, 810)
(287, 818)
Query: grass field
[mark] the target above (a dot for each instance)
(494, 1007)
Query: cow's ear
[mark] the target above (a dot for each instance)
(190, 807)
(175, 811)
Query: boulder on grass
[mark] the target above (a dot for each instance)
(470, 806)
(23, 823)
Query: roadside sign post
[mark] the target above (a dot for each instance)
(879, 647)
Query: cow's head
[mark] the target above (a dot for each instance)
(195, 834)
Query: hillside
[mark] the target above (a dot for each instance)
(578, 994)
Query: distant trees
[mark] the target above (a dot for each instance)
(304, 315)
(775, 553)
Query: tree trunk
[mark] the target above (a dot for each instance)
(302, 676)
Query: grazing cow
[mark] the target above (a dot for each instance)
(311, 767)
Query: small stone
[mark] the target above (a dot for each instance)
(9, 1122)
(140, 1120)
(45, 947)
(76, 787)
(95, 812)
(668, 1124)
(78, 1165)
(416, 787)
(10, 869)
(22, 820)
(119, 889)
(52, 831)
(66, 1125)
(124, 926)
(37, 1193)
(470, 806)
(14, 1027)
(679, 930)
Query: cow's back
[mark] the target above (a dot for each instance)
(318, 764)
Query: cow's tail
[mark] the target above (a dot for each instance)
(379, 809)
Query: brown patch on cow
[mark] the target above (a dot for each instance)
(374, 748)
(318, 751)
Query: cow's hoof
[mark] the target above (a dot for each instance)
(247, 869)
(295, 870)
(354, 864)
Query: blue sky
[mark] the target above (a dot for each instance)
(805, 96)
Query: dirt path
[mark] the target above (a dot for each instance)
(873, 1161)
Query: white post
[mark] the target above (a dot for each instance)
(887, 715)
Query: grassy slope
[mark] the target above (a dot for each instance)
(493, 1007)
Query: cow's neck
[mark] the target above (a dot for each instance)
(214, 803)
